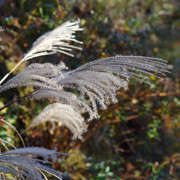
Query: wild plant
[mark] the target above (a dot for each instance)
(95, 83)
(27, 162)
(31, 162)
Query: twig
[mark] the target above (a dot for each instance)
(13, 101)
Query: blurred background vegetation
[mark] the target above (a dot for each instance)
(134, 139)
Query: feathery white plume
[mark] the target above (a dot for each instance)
(23, 163)
(64, 114)
(96, 84)
(55, 41)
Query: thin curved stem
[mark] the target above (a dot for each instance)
(14, 130)
(5, 77)
(8, 143)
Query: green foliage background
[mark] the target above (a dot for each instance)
(134, 139)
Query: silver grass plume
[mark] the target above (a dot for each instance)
(55, 41)
(64, 114)
(23, 163)
(95, 82)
